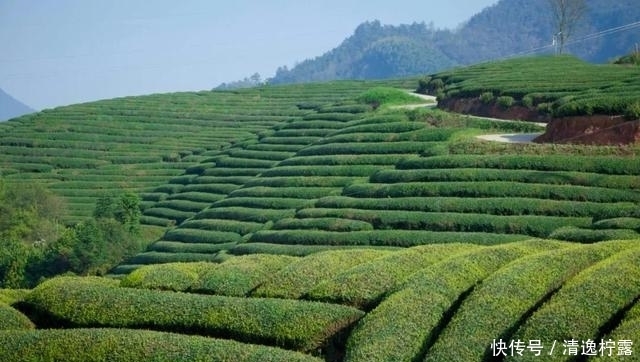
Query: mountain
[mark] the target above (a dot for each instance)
(508, 28)
(11, 107)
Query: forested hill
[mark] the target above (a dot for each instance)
(510, 27)
(10, 107)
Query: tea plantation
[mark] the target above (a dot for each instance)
(317, 223)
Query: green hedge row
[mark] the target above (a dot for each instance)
(494, 206)
(631, 223)
(156, 221)
(190, 248)
(125, 345)
(586, 303)
(234, 226)
(297, 325)
(169, 276)
(203, 197)
(276, 147)
(10, 296)
(383, 127)
(302, 181)
(188, 235)
(396, 238)
(500, 304)
(534, 225)
(337, 117)
(11, 319)
(183, 205)
(156, 257)
(335, 160)
(226, 171)
(365, 285)
(325, 223)
(583, 235)
(287, 192)
(245, 214)
(169, 214)
(260, 155)
(492, 189)
(295, 250)
(211, 188)
(304, 132)
(236, 162)
(322, 170)
(607, 165)
(238, 276)
(357, 148)
(264, 202)
(235, 180)
(299, 277)
(404, 324)
(302, 141)
(488, 174)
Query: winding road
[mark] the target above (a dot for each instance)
(502, 137)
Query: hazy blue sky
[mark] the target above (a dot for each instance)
(56, 52)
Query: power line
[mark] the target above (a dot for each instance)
(596, 35)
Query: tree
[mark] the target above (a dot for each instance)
(567, 14)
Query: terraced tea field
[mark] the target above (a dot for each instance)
(303, 225)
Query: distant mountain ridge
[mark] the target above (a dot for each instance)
(508, 28)
(11, 107)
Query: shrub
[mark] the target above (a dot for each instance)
(571, 233)
(364, 285)
(492, 189)
(612, 285)
(308, 192)
(201, 236)
(632, 112)
(505, 101)
(189, 248)
(238, 276)
(170, 276)
(293, 250)
(234, 226)
(245, 214)
(534, 225)
(299, 277)
(404, 323)
(611, 165)
(11, 319)
(298, 325)
(396, 238)
(385, 95)
(327, 223)
(264, 202)
(486, 97)
(155, 257)
(170, 214)
(321, 170)
(124, 345)
(500, 304)
(11, 296)
(632, 223)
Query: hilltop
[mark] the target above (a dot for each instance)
(508, 28)
(11, 107)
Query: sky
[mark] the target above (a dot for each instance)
(59, 52)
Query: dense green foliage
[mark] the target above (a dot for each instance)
(596, 89)
(35, 245)
(85, 302)
(125, 345)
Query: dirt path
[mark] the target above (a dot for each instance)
(503, 137)
(510, 137)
